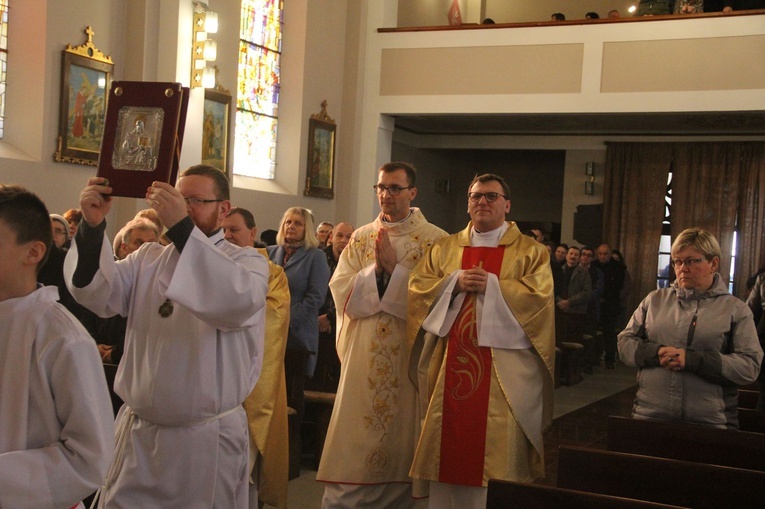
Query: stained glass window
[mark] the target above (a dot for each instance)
(3, 60)
(257, 98)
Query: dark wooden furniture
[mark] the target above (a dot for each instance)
(688, 442)
(667, 481)
(512, 495)
(751, 420)
(747, 398)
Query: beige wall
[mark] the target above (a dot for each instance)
(333, 51)
(150, 40)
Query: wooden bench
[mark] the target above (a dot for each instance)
(324, 403)
(747, 398)
(512, 495)
(751, 420)
(667, 481)
(688, 442)
(572, 363)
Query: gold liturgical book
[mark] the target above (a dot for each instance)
(143, 133)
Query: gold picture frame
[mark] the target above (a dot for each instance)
(215, 129)
(320, 166)
(86, 75)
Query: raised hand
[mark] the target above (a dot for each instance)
(96, 201)
(168, 202)
(385, 255)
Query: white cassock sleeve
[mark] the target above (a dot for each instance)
(365, 299)
(497, 326)
(109, 291)
(223, 290)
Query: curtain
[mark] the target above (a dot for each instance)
(705, 190)
(633, 209)
(751, 215)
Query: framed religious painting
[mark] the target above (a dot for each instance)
(320, 166)
(215, 129)
(86, 75)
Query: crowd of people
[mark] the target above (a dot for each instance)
(444, 346)
(677, 7)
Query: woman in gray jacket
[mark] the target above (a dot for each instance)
(694, 342)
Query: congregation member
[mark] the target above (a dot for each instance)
(372, 432)
(61, 232)
(266, 406)
(133, 235)
(481, 322)
(742, 5)
(324, 233)
(193, 346)
(341, 235)
(56, 421)
(694, 343)
(756, 302)
(560, 254)
(586, 256)
(305, 265)
(73, 217)
(614, 275)
(571, 302)
(240, 229)
(109, 333)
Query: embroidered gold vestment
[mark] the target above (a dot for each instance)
(521, 380)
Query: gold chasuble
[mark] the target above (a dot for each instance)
(484, 409)
(266, 406)
(372, 433)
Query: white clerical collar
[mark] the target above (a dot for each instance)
(396, 222)
(487, 239)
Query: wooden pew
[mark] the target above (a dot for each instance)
(667, 481)
(751, 420)
(511, 495)
(687, 442)
(747, 398)
(323, 402)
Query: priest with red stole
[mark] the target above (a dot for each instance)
(481, 328)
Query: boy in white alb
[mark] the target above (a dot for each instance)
(56, 420)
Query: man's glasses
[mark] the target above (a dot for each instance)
(490, 197)
(392, 190)
(199, 201)
(689, 262)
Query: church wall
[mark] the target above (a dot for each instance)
(150, 41)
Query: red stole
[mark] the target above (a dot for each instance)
(466, 385)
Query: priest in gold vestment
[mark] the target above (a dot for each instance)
(481, 324)
(266, 405)
(372, 433)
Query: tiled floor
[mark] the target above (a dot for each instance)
(580, 414)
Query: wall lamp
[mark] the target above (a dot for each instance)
(203, 49)
(589, 183)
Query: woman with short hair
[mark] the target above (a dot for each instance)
(694, 342)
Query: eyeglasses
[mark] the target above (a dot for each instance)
(392, 190)
(690, 262)
(490, 197)
(199, 201)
